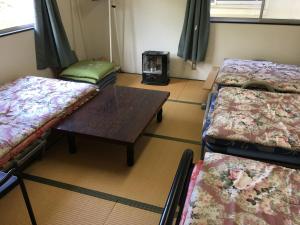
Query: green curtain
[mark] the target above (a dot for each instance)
(52, 46)
(194, 37)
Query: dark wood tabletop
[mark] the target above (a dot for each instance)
(116, 113)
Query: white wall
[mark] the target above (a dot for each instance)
(271, 42)
(17, 57)
(157, 24)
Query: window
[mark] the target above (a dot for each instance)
(257, 10)
(15, 14)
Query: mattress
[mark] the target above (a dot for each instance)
(31, 105)
(242, 148)
(231, 190)
(258, 117)
(282, 77)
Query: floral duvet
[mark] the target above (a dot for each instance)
(228, 190)
(282, 77)
(257, 117)
(29, 104)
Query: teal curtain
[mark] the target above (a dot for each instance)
(52, 46)
(195, 33)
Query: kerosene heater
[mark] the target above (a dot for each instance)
(156, 67)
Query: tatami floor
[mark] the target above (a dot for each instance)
(94, 186)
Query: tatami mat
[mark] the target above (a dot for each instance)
(53, 206)
(102, 167)
(175, 87)
(124, 215)
(129, 80)
(193, 92)
(180, 121)
(180, 89)
(13, 209)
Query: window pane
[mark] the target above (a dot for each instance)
(282, 9)
(16, 13)
(236, 8)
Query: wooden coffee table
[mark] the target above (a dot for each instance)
(116, 114)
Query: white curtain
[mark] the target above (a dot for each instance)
(124, 36)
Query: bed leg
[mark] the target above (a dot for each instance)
(130, 154)
(42, 152)
(159, 116)
(178, 190)
(72, 143)
(202, 151)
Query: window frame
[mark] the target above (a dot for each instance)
(231, 20)
(259, 20)
(16, 29)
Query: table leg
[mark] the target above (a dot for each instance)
(130, 154)
(72, 143)
(159, 115)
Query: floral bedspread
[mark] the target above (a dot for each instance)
(281, 77)
(30, 102)
(235, 191)
(258, 117)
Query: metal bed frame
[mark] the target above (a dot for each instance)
(176, 198)
(24, 157)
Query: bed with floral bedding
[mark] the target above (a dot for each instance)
(254, 123)
(265, 118)
(237, 72)
(31, 105)
(231, 190)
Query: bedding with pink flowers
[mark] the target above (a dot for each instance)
(229, 190)
(258, 117)
(282, 77)
(30, 105)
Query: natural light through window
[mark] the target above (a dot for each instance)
(14, 13)
(257, 9)
(236, 9)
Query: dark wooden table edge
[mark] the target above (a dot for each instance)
(129, 145)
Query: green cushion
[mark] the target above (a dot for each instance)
(89, 69)
(84, 79)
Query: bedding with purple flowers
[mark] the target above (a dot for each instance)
(31, 105)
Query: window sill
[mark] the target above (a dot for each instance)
(255, 21)
(17, 29)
